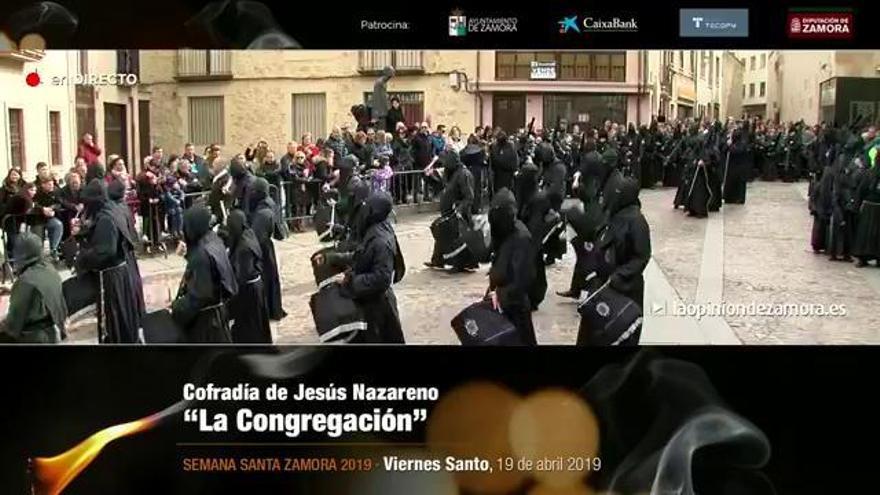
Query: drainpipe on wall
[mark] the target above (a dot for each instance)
(479, 93)
(639, 92)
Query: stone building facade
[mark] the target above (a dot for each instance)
(278, 95)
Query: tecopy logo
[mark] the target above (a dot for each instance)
(820, 25)
(713, 23)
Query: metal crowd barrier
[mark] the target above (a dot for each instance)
(300, 198)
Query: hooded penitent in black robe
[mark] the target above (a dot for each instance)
(116, 194)
(243, 181)
(533, 211)
(247, 309)
(37, 310)
(375, 266)
(699, 196)
(208, 283)
(512, 273)
(625, 240)
(585, 219)
(107, 254)
(712, 157)
(821, 209)
(646, 158)
(504, 162)
(218, 200)
(867, 240)
(348, 184)
(844, 202)
(350, 229)
(455, 200)
(265, 224)
(553, 185)
(670, 152)
(474, 158)
(736, 168)
(687, 153)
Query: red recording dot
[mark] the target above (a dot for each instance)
(32, 79)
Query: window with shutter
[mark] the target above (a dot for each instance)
(16, 138)
(309, 115)
(206, 120)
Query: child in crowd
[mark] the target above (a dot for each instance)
(381, 174)
(174, 200)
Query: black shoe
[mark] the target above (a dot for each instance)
(430, 264)
(861, 264)
(569, 294)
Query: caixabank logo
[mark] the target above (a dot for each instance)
(820, 24)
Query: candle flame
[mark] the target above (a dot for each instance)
(51, 475)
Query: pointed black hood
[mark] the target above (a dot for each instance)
(95, 171)
(544, 154)
(236, 223)
(502, 216)
(527, 182)
(196, 223)
(346, 167)
(116, 190)
(451, 162)
(260, 191)
(240, 233)
(27, 251)
(620, 192)
(237, 169)
(94, 196)
(379, 206)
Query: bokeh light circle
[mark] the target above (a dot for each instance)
(474, 420)
(555, 423)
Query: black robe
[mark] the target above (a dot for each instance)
(736, 170)
(686, 170)
(219, 201)
(671, 151)
(107, 255)
(585, 221)
(821, 209)
(512, 273)
(37, 310)
(625, 240)
(534, 214)
(457, 198)
(264, 224)
(867, 239)
(553, 185)
(844, 208)
(122, 213)
(375, 266)
(504, 162)
(247, 309)
(700, 198)
(208, 284)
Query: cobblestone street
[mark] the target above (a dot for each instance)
(756, 253)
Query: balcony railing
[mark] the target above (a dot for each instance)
(403, 61)
(204, 64)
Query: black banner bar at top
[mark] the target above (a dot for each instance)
(169, 24)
